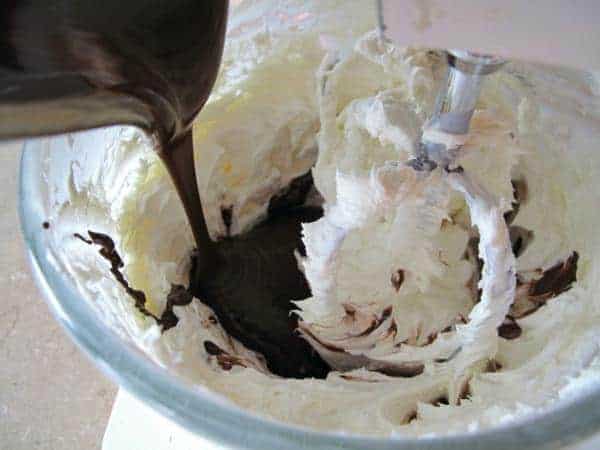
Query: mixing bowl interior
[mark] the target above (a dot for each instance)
(193, 407)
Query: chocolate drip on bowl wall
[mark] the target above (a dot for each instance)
(179, 295)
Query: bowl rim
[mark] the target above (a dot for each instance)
(222, 422)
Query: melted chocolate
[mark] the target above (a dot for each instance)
(294, 195)
(404, 370)
(253, 278)
(225, 360)
(250, 280)
(109, 252)
(472, 254)
(178, 157)
(411, 417)
(81, 238)
(532, 295)
(442, 400)
(465, 392)
(556, 280)
(520, 238)
(509, 329)
(179, 296)
(227, 217)
(397, 279)
(520, 194)
(376, 322)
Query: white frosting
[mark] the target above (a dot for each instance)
(389, 249)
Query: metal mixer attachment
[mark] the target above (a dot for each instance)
(447, 128)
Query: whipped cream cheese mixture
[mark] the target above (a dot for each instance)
(443, 302)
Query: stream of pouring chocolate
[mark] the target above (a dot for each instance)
(249, 280)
